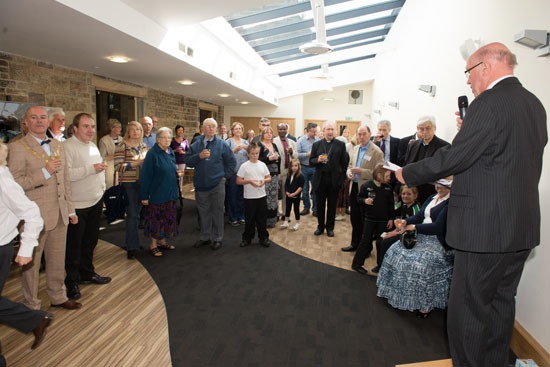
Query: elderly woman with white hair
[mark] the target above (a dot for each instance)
(14, 207)
(159, 191)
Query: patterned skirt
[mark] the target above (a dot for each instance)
(271, 190)
(160, 221)
(419, 278)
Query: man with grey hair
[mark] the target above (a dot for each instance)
(56, 118)
(424, 148)
(214, 163)
(388, 144)
(149, 137)
(330, 159)
(264, 122)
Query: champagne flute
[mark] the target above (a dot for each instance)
(399, 224)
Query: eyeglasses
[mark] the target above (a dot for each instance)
(467, 71)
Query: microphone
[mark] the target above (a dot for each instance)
(462, 106)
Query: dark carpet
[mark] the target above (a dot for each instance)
(258, 306)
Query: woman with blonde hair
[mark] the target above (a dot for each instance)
(129, 157)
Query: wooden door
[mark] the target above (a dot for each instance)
(350, 125)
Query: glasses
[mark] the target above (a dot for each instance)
(467, 71)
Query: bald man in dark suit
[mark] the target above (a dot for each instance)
(494, 212)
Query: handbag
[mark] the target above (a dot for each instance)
(116, 200)
(408, 239)
(179, 204)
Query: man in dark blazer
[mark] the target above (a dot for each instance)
(330, 159)
(404, 145)
(494, 211)
(387, 143)
(424, 148)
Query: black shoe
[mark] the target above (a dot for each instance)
(359, 269)
(318, 232)
(73, 292)
(314, 214)
(265, 243)
(330, 233)
(96, 279)
(244, 243)
(131, 254)
(349, 249)
(201, 243)
(304, 212)
(376, 269)
(216, 245)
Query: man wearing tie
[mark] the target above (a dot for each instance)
(330, 159)
(38, 165)
(387, 144)
(364, 157)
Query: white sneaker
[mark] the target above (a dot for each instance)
(296, 226)
(284, 225)
(339, 217)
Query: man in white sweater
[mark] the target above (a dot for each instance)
(87, 176)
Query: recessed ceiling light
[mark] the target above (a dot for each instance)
(328, 99)
(244, 102)
(223, 95)
(186, 82)
(118, 59)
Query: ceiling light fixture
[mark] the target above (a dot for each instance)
(118, 59)
(223, 95)
(316, 48)
(244, 102)
(186, 82)
(320, 45)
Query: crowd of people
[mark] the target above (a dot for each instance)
(59, 177)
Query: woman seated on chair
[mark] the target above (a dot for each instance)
(419, 279)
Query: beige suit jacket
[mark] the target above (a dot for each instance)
(373, 157)
(25, 160)
(291, 144)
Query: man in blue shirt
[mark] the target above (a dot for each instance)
(149, 137)
(304, 150)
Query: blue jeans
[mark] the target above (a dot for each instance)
(308, 173)
(235, 200)
(132, 214)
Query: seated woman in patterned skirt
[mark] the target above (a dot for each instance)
(419, 279)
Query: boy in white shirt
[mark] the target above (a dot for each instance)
(253, 174)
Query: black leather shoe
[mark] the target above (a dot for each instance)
(330, 233)
(40, 330)
(348, 249)
(201, 243)
(244, 243)
(73, 292)
(265, 243)
(360, 269)
(314, 214)
(216, 245)
(318, 232)
(96, 279)
(131, 254)
(304, 212)
(376, 269)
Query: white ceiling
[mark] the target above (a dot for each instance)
(49, 31)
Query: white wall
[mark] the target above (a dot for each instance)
(423, 48)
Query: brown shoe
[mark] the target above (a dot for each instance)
(40, 331)
(69, 305)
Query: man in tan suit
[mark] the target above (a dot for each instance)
(38, 165)
(287, 146)
(364, 157)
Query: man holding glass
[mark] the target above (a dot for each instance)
(496, 154)
(38, 165)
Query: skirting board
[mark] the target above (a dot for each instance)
(525, 346)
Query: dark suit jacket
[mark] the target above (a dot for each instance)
(412, 150)
(496, 159)
(338, 160)
(394, 148)
(403, 145)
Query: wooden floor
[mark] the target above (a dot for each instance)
(124, 323)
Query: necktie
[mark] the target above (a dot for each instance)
(383, 147)
(47, 141)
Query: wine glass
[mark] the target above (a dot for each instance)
(372, 195)
(399, 224)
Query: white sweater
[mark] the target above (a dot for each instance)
(87, 186)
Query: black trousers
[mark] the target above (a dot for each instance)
(382, 246)
(13, 314)
(81, 242)
(293, 201)
(364, 250)
(255, 216)
(356, 218)
(327, 197)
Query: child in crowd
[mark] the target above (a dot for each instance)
(293, 186)
(253, 174)
(376, 199)
(407, 207)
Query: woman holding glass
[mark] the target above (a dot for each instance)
(235, 199)
(419, 279)
(129, 157)
(159, 191)
(269, 154)
(107, 146)
(180, 147)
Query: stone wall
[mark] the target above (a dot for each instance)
(27, 80)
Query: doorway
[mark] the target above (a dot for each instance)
(111, 105)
